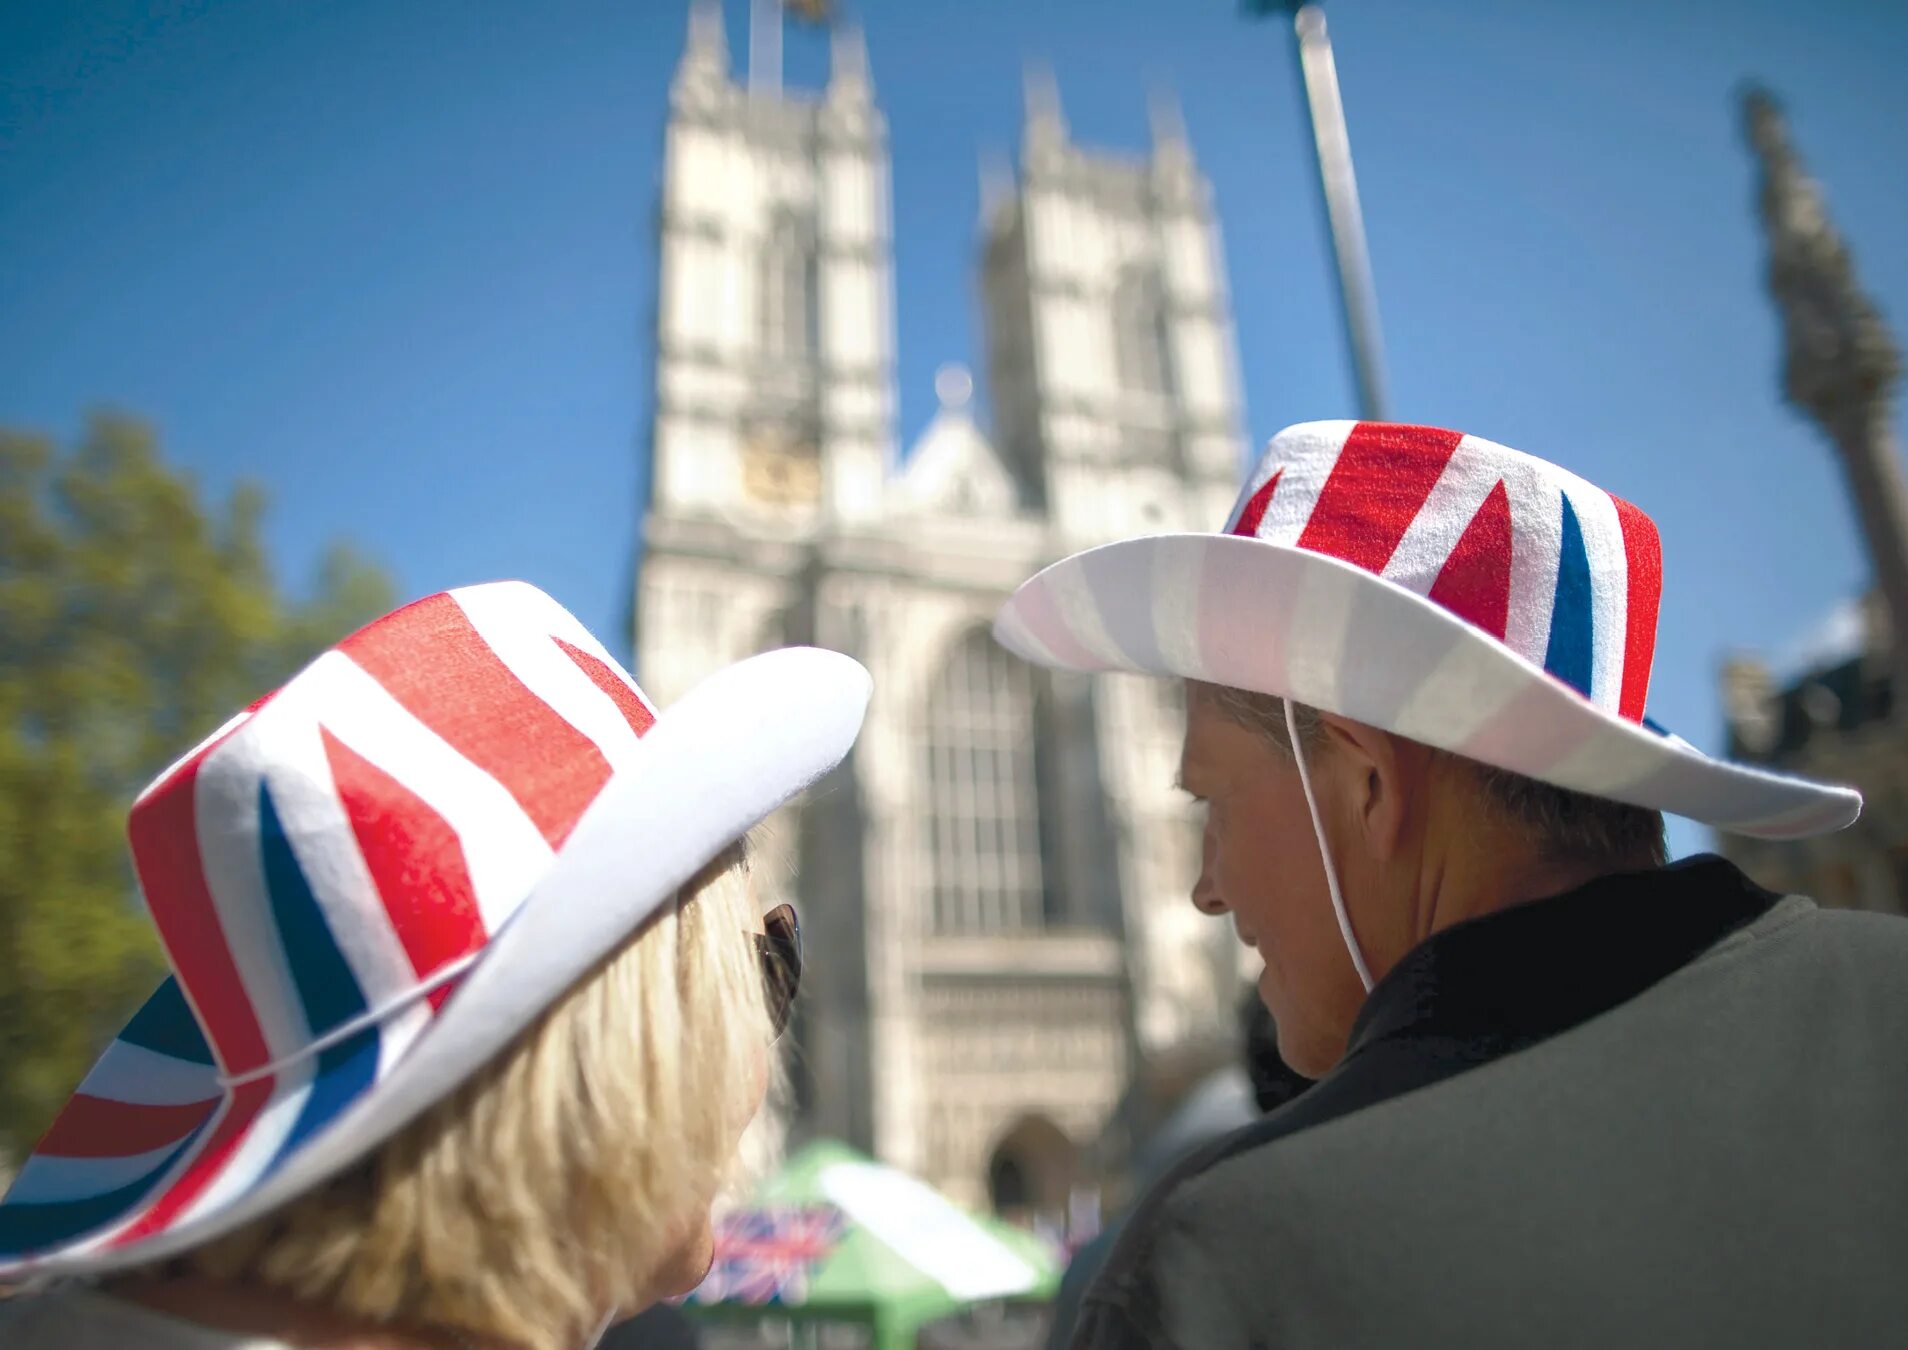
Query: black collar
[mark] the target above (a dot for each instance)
(1528, 972)
(1483, 989)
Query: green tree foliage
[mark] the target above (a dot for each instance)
(134, 619)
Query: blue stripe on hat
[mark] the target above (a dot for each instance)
(326, 986)
(1572, 622)
(165, 1024)
(345, 1071)
(46, 1179)
(29, 1228)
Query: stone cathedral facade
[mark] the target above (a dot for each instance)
(1006, 978)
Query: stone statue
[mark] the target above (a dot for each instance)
(1840, 364)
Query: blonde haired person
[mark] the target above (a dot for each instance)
(469, 965)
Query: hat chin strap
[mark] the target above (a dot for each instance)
(1324, 850)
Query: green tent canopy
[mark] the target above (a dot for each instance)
(836, 1250)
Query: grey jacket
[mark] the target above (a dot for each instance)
(1667, 1109)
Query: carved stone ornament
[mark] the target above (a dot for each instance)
(780, 470)
(1839, 359)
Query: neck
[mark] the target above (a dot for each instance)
(253, 1310)
(1489, 866)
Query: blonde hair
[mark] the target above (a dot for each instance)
(552, 1187)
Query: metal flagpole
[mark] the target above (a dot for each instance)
(1339, 187)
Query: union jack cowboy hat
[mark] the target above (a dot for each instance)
(369, 882)
(1435, 585)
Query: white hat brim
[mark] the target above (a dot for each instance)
(1289, 622)
(715, 764)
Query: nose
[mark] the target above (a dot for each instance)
(1205, 892)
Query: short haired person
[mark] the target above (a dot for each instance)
(1569, 1095)
(470, 1004)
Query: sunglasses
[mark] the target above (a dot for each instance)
(779, 945)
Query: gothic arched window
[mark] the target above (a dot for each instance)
(1142, 340)
(786, 286)
(983, 801)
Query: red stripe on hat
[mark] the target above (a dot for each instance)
(1474, 582)
(1254, 511)
(163, 830)
(1375, 490)
(98, 1127)
(248, 1099)
(415, 859)
(1643, 551)
(433, 661)
(639, 717)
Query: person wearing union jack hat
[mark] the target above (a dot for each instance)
(1568, 1093)
(470, 1000)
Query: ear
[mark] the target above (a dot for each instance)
(1376, 777)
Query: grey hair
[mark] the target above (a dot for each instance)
(1263, 713)
(1571, 825)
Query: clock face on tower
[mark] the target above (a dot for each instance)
(781, 469)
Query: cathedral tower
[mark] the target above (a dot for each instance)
(1116, 401)
(774, 402)
(1109, 333)
(993, 886)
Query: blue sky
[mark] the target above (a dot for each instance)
(392, 258)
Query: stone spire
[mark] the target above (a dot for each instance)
(1044, 133)
(1166, 121)
(1839, 359)
(705, 56)
(848, 80)
(1172, 159)
(1840, 365)
(708, 44)
(996, 186)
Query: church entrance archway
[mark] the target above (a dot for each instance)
(1030, 1173)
